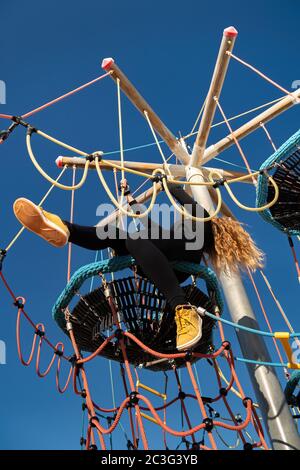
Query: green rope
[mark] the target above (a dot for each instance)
(117, 264)
(285, 151)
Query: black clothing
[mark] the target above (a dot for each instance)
(153, 255)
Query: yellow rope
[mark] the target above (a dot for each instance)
(157, 143)
(123, 169)
(182, 211)
(185, 213)
(120, 128)
(143, 183)
(237, 179)
(85, 154)
(47, 177)
(255, 209)
(232, 389)
(116, 203)
(62, 144)
(117, 194)
(13, 241)
(212, 182)
(132, 214)
(239, 204)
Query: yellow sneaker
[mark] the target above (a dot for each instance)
(48, 226)
(189, 327)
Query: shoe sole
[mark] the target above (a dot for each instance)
(194, 341)
(31, 216)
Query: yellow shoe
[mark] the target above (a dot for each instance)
(48, 226)
(189, 327)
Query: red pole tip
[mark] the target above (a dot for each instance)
(59, 162)
(107, 63)
(230, 32)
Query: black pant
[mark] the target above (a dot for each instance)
(152, 256)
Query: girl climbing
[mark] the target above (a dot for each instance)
(226, 243)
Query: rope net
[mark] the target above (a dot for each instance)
(136, 412)
(127, 322)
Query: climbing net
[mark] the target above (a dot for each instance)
(205, 419)
(137, 408)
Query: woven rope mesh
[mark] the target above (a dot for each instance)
(286, 211)
(144, 312)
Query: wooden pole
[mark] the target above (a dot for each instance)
(177, 171)
(267, 115)
(131, 92)
(227, 44)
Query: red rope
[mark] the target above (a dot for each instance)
(5, 116)
(56, 100)
(140, 402)
(183, 405)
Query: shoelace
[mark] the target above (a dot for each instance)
(183, 322)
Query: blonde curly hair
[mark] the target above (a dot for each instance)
(233, 247)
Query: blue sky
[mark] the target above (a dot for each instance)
(168, 50)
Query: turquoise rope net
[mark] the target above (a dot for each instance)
(285, 166)
(118, 264)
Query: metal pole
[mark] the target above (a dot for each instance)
(268, 391)
(269, 394)
(276, 415)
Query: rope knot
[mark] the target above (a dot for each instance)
(219, 182)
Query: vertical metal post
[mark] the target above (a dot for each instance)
(269, 394)
(276, 415)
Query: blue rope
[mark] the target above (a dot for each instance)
(260, 363)
(114, 152)
(117, 264)
(246, 328)
(139, 147)
(239, 327)
(285, 151)
(122, 262)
